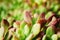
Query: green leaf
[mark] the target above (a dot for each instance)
(38, 1)
(58, 34)
(5, 24)
(22, 25)
(49, 31)
(44, 37)
(10, 20)
(26, 30)
(48, 15)
(58, 13)
(0, 18)
(52, 6)
(1, 33)
(35, 29)
(54, 37)
(56, 7)
(26, 6)
(21, 34)
(6, 36)
(21, 31)
(30, 37)
(42, 9)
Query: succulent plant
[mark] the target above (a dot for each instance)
(29, 20)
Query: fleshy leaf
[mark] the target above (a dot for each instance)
(27, 17)
(53, 21)
(1, 33)
(35, 29)
(54, 37)
(49, 31)
(26, 30)
(44, 37)
(49, 15)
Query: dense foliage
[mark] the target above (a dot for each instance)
(29, 20)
